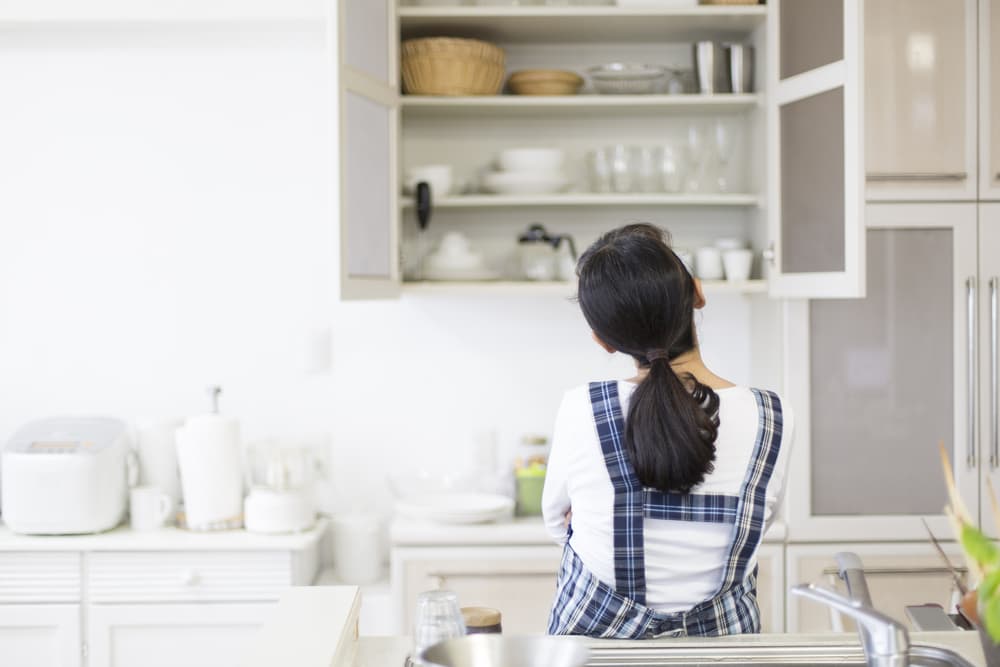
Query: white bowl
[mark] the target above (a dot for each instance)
(437, 176)
(531, 159)
(525, 182)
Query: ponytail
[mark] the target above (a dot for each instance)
(639, 298)
(671, 428)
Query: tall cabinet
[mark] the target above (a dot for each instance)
(881, 381)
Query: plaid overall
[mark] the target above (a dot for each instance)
(584, 605)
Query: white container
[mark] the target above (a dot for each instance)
(525, 182)
(273, 512)
(211, 465)
(531, 159)
(708, 263)
(156, 446)
(358, 547)
(738, 264)
(438, 176)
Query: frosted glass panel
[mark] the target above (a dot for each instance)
(366, 168)
(812, 35)
(883, 381)
(994, 93)
(366, 37)
(812, 184)
(915, 92)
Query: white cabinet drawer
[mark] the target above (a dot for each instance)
(188, 576)
(39, 576)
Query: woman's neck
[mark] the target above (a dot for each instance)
(690, 362)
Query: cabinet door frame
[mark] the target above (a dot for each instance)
(771, 557)
(65, 618)
(844, 74)
(941, 190)
(989, 180)
(802, 524)
(795, 552)
(385, 94)
(102, 619)
(989, 350)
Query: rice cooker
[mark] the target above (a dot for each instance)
(66, 475)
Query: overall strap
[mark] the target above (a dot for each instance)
(749, 528)
(630, 566)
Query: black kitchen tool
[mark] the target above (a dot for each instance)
(423, 193)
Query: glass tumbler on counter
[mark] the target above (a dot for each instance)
(438, 617)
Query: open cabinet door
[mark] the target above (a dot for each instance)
(816, 156)
(368, 96)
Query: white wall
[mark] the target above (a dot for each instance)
(165, 224)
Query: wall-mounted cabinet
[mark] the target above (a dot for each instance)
(798, 205)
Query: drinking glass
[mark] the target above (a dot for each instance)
(671, 170)
(599, 169)
(622, 173)
(438, 618)
(646, 169)
(695, 157)
(724, 153)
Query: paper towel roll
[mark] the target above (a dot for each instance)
(157, 449)
(208, 452)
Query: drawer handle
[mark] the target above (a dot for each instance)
(916, 176)
(190, 578)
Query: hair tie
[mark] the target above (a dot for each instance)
(652, 355)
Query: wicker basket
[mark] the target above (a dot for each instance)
(544, 82)
(451, 66)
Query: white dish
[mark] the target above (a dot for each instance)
(531, 159)
(456, 507)
(627, 78)
(524, 182)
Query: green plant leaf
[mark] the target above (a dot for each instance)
(991, 618)
(979, 547)
(988, 586)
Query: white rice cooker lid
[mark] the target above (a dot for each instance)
(67, 435)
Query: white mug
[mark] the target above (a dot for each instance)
(149, 508)
(738, 264)
(708, 263)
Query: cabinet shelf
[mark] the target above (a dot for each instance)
(592, 199)
(560, 289)
(487, 105)
(583, 24)
(157, 11)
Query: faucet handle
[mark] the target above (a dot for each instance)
(890, 641)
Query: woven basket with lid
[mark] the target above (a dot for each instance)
(451, 66)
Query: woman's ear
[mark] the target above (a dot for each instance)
(597, 339)
(699, 296)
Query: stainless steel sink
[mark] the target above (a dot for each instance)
(760, 654)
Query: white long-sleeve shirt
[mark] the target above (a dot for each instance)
(684, 560)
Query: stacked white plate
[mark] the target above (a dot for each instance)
(456, 507)
(527, 171)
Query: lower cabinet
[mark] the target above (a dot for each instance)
(898, 575)
(520, 582)
(193, 635)
(40, 635)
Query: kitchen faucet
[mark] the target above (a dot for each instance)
(886, 642)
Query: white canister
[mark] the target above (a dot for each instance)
(211, 466)
(738, 264)
(708, 263)
(358, 549)
(156, 447)
(148, 508)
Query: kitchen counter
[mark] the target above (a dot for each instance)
(318, 626)
(524, 531)
(164, 539)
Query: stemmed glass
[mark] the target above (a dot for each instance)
(724, 153)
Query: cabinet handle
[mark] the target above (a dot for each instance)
(918, 176)
(970, 288)
(190, 578)
(768, 253)
(994, 427)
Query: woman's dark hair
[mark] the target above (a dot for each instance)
(639, 298)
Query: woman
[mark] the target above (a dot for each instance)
(661, 486)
